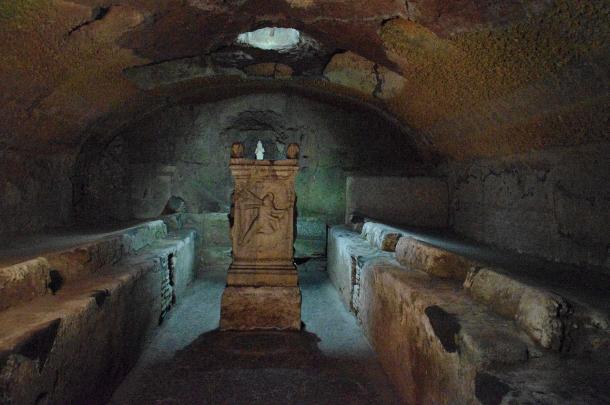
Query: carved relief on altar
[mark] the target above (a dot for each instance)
(263, 228)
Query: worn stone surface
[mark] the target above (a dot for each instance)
(346, 254)
(357, 73)
(438, 345)
(271, 70)
(430, 338)
(311, 237)
(470, 79)
(92, 330)
(415, 201)
(381, 236)
(216, 230)
(35, 192)
(419, 255)
(27, 273)
(245, 308)
(545, 316)
(24, 281)
(189, 360)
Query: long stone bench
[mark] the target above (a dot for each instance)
(35, 275)
(75, 346)
(448, 329)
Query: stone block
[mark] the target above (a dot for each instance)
(24, 281)
(431, 338)
(347, 252)
(381, 236)
(86, 259)
(269, 69)
(311, 237)
(419, 255)
(143, 235)
(353, 71)
(31, 278)
(540, 313)
(246, 308)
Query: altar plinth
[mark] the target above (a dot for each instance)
(262, 289)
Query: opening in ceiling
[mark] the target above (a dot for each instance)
(271, 38)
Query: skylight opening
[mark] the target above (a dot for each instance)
(271, 38)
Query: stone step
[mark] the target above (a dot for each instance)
(92, 330)
(22, 279)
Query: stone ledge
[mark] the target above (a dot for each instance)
(347, 252)
(91, 332)
(549, 318)
(419, 255)
(43, 275)
(431, 338)
(381, 236)
(444, 341)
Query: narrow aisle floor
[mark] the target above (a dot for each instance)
(189, 361)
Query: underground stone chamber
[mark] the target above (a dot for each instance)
(453, 237)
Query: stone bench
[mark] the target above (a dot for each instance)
(347, 252)
(26, 278)
(80, 342)
(557, 320)
(444, 335)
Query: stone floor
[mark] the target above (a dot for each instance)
(189, 361)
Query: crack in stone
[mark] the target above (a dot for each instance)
(98, 13)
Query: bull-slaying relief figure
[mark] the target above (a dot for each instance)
(266, 220)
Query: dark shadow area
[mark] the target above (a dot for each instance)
(445, 325)
(489, 389)
(39, 345)
(258, 367)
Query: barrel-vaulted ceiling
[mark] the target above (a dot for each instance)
(469, 78)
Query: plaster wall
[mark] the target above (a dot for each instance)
(416, 201)
(554, 204)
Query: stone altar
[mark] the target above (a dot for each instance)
(262, 289)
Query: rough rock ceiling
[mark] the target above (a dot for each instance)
(469, 78)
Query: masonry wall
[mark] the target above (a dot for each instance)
(415, 201)
(554, 204)
(183, 151)
(35, 191)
